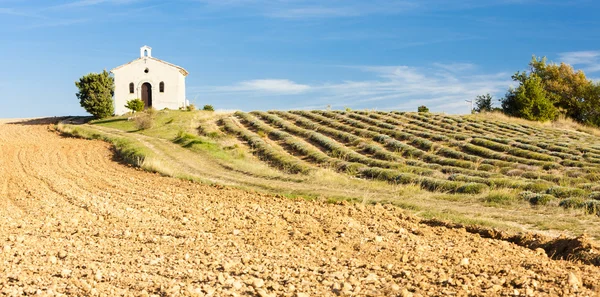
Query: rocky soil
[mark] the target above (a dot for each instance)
(75, 222)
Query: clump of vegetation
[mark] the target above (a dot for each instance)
(190, 107)
(497, 197)
(536, 198)
(423, 108)
(563, 192)
(549, 90)
(208, 107)
(135, 105)
(483, 103)
(472, 188)
(145, 120)
(95, 94)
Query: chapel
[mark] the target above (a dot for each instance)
(158, 83)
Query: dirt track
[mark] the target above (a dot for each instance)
(75, 222)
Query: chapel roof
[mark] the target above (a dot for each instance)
(149, 56)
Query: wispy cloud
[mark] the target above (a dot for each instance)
(269, 86)
(87, 3)
(590, 60)
(302, 9)
(455, 67)
(392, 87)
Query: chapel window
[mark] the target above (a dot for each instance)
(131, 88)
(161, 87)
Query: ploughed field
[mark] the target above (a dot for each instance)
(440, 153)
(74, 221)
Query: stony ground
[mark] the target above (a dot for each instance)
(75, 222)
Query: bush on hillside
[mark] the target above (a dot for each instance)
(191, 107)
(95, 94)
(423, 108)
(135, 105)
(483, 103)
(145, 120)
(208, 107)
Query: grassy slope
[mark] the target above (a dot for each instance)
(191, 145)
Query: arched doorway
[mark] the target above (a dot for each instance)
(147, 94)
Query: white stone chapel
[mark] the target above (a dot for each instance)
(158, 83)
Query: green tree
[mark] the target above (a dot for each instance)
(530, 101)
(483, 103)
(208, 107)
(590, 107)
(135, 105)
(423, 108)
(95, 94)
(564, 86)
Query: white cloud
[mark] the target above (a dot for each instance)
(455, 67)
(272, 86)
(391, 87)
(590, 60)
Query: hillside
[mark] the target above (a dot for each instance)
(74, 222)
(480, 169)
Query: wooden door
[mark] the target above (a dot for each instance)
(147, 95)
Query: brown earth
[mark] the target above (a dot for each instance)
(73, 221)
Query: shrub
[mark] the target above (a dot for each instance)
(499, 197)
(592, 207)
(135, 105)
(423, 108)
(208, 107)
(190, 107)
(95, 94)
(572, 203)
(144, 121)
(536, 198)
(563, 192)
(538, 187)
(594, 196)
(472, 188)
(486, 167)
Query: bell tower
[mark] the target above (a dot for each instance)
(145, 51)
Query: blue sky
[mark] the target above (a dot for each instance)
(292, 54)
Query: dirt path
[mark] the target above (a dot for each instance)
(72, 221)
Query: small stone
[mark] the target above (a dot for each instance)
(237, 285)
(52, 259)
(406, 293)
(98, 276)
(257, 283)
(378, 238)
(573, 280)
(6, 248)
(529, 292)
(302, 295)
(404, 258)
(263, 293)
(371, 278)
(62, 254)
(541, 251)
(346, 287)
(65, 273)
(395, 287)
(236, 232)
(464, 262)
(185, 220)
